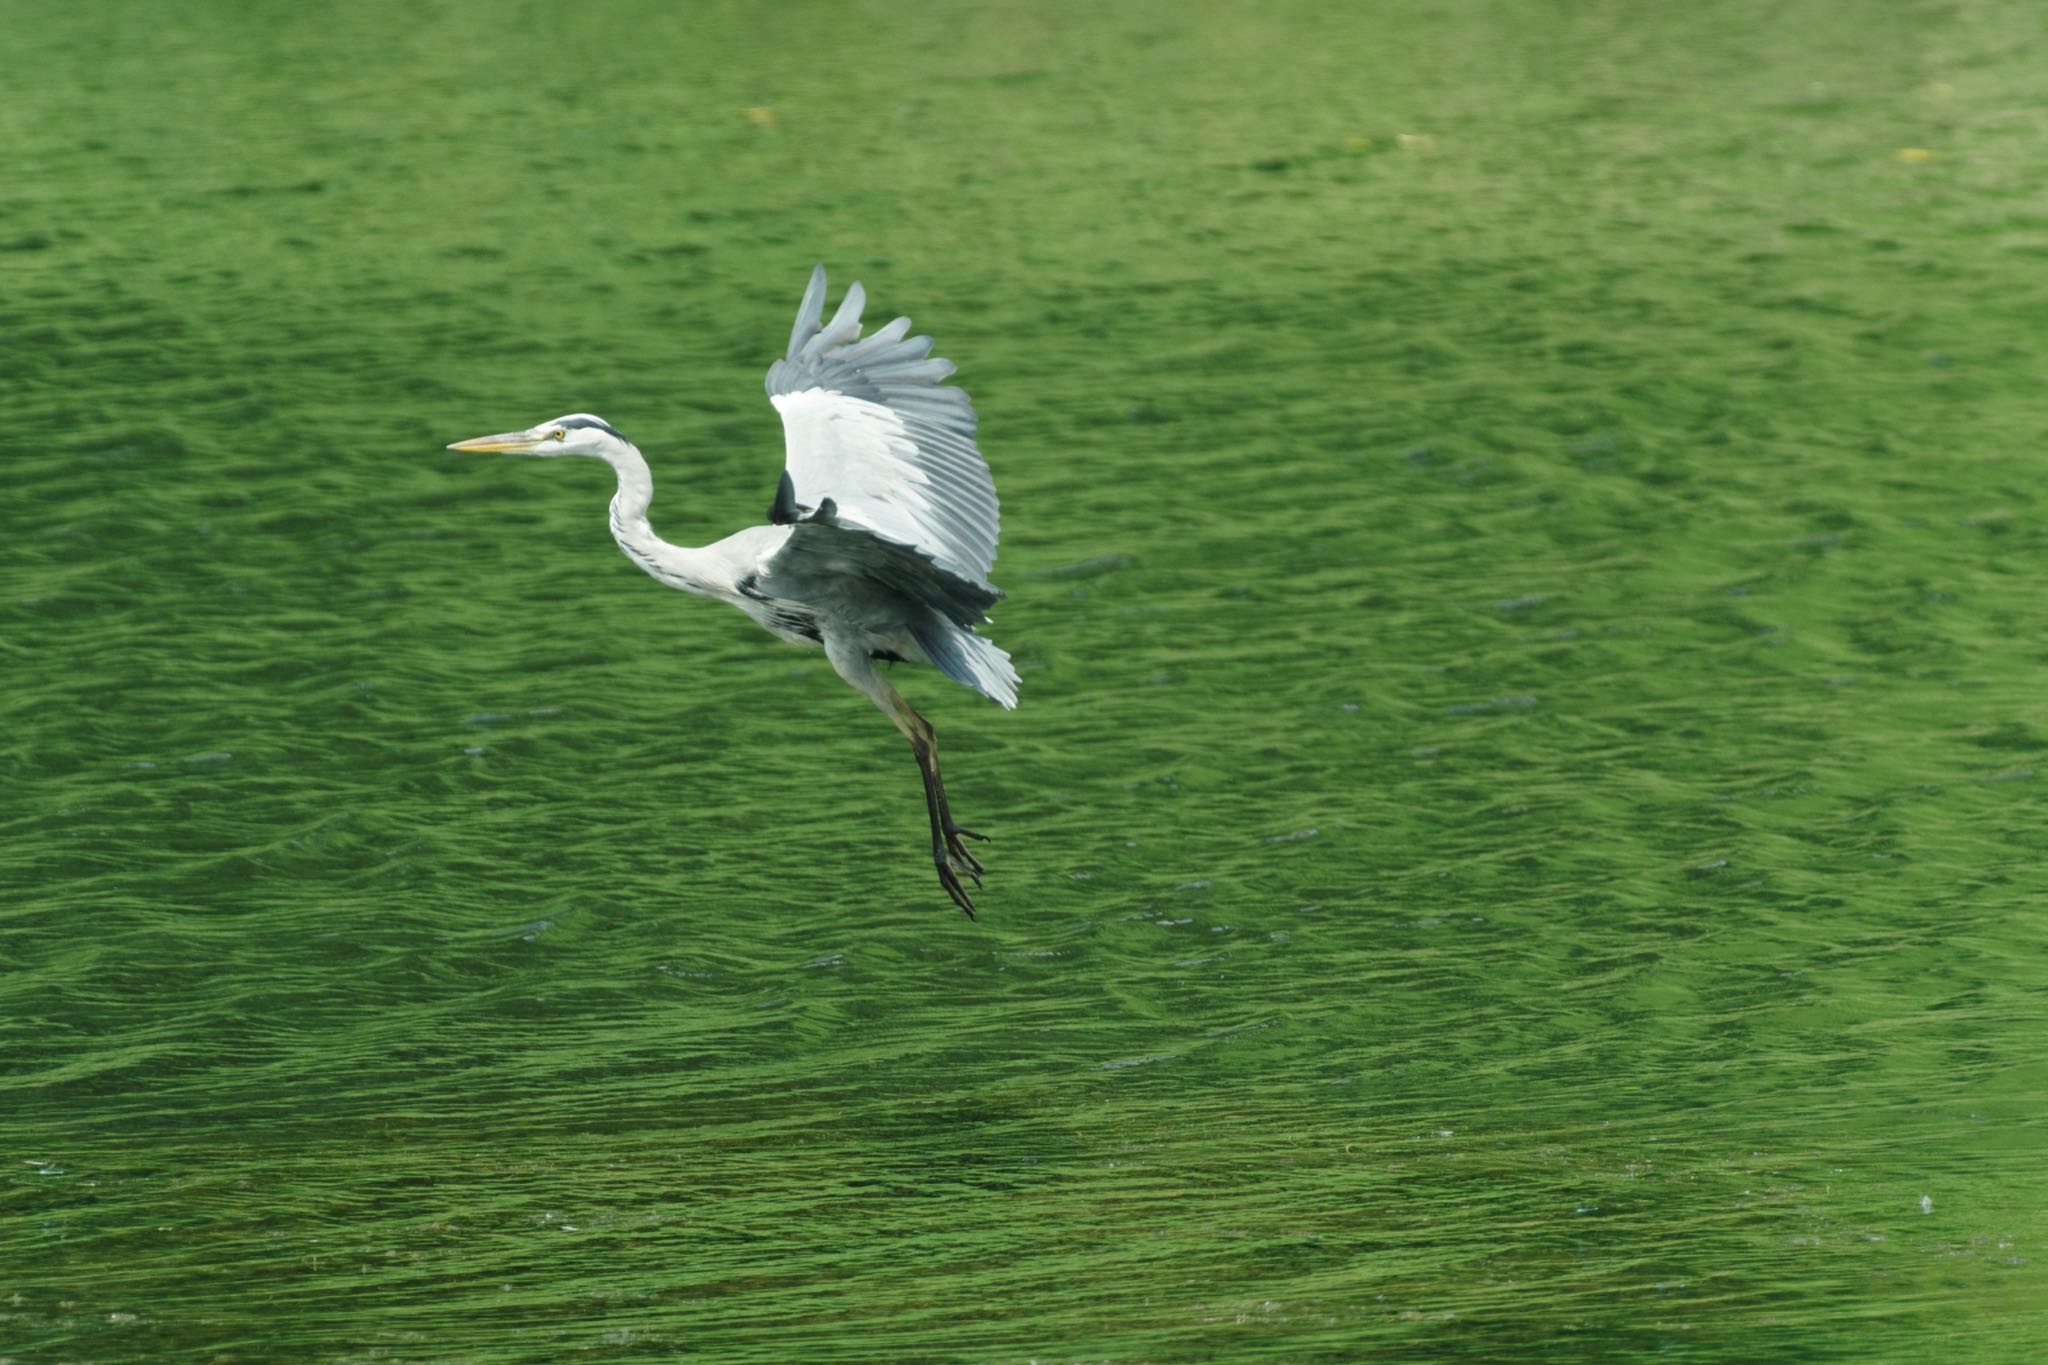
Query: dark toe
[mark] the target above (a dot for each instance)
(951, 881)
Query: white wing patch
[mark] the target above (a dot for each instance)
(860, 455)
(871, 426)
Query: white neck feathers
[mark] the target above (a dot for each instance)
(677, 565)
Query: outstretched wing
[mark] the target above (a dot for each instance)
(871, 427)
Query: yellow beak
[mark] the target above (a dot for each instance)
(511, 440)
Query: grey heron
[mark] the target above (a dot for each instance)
(883, 526)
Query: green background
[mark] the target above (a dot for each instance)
(1524, 832)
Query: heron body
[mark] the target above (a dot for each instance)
(883, 526)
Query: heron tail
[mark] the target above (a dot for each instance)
(969, 660)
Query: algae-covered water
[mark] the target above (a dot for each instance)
(1524, 837)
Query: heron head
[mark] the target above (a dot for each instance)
(577, 434)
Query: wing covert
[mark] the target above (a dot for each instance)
(870, 425)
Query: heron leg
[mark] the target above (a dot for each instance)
(950, 857)
(926, 747)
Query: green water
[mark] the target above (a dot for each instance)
(1524, 526)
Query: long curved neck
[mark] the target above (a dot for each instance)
(678, 565)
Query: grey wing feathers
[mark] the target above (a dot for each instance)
(870, 425)
(822, 552)
(821, 560)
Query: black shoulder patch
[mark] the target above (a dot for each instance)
(784, 511)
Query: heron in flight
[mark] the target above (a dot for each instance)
(883, 535)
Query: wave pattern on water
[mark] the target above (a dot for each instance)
(1524, 819)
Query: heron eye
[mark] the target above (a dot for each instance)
(558, 435)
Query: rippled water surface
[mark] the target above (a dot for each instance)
(1524, 835)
